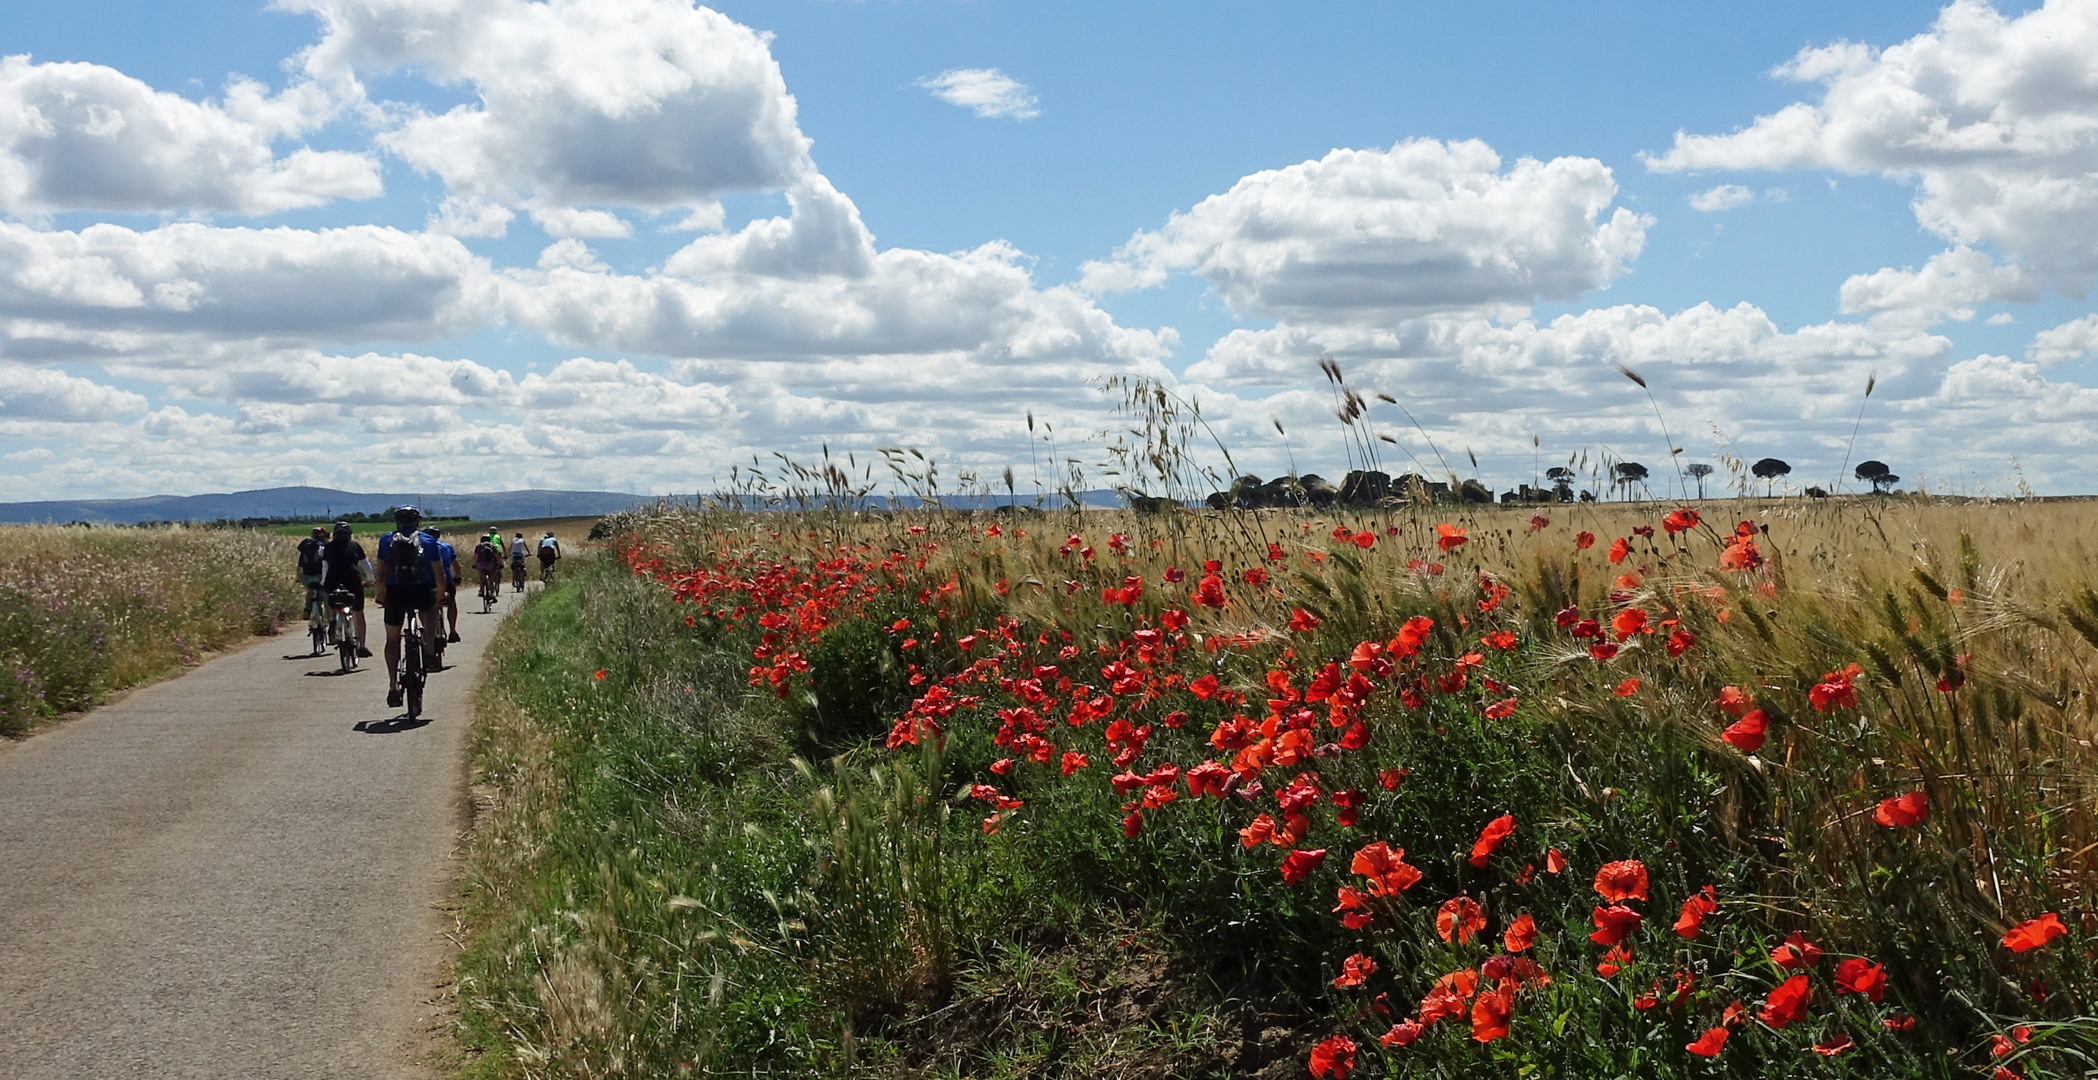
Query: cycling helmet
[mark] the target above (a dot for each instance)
(432, 531)
(403, 513)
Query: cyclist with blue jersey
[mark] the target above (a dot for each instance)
(411, 578)
(450, 558)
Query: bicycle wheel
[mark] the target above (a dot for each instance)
(346, 653)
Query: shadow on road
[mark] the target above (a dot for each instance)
(332, 673)
(393, 726)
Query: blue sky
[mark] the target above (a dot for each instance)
(1141, 112)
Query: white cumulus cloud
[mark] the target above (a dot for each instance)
(1945, 287)
(79, 136)
(1375, 235)
(987, 92)
(1723, 197)
(2072, 340)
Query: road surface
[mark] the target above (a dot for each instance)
(236, 874)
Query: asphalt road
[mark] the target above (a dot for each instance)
(236, 873)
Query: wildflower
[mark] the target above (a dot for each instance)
(1302, 621)
(1411, 634)
(1614, 961)
(1259, 831)
(1613, 924)
(1899, 1022)
(1073, 761)
(1584, 541)
(1787, 1003)
(1209, 592)
(1521, 934)
(1275, 553)
(1538, 521)
(1386, 868)
(1903, 810)
(1175, 575)
(1390, 779)
(1621, 881)
(1365, 540)
(1353, 910)
(1447, 996)
(1627, 688)
(1402, 1033)
(1703, 903)
(1459, 919)
(1836, 690)
(1746, 734)
(1204, 687)
(1490, 838)
(1255, 576)
(1796, 952)
(1492, 1011)
(1207, 779)
(1734, 701)
(600, 675)
(1333, 1058)
(1628, 622)
(2002, 1045)
(1554, 863)
(1857, 975)
(1603, 650)
(1449, 537)
(1298, 865)
(1499, 639)
(1832, 1045)
(1708, 1045)
(1354, 971)
(1680, 521)
(2034, 933)
(1499, 710)
(1002, 766)
(1681, 641)
(1619, 548)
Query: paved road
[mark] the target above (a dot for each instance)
(234, 874)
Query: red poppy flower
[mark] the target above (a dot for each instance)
(1704, 903)
(1298, 865)
(1333, 1058)
(1554, 862)
(1836, 690)
(1796, 953)
(1491, 836)
(1073, 761)
(1365, 540)
(1833, 1045)
(1258, 832)
(1619, 881)
(2034, 933)
(1209, 592)
(1613, 924)
(1355, 970)
(1500, 710)
(1390, 779)
(1619, 548)
(1857, 975)
(1301, 620)
(1521, 934)
(1449, 537)
(1584, 541)
(1734, 701)
(1709, 1044)
(1603, 650)
(1680, 642)
(600, 674)
(1002, 766)
(1899, 1022)
(1459, 919)
(1787, 1003)
(1746, 734)
(1174, 575)
(1538, 521)
(1903, 810)
(1354, 911)
(1411, 634)
(1255, 577)
(2001, 1045)
(1627, 688)
(1492, 1011)
(1614, 961)
(1682, 520)
(1386, 868)
(1499, 639)
(1628, 622)
(1402, 1033)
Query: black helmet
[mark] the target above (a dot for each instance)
(403, 513)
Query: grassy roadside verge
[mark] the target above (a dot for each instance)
(656, 888)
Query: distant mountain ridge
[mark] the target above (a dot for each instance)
(318, 502)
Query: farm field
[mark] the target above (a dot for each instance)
(87, 611)
(1742, 788)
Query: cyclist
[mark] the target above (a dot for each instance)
(517, 562)
(549, 551)
(450, 559)
(312, 571)
(488, 561)
(345, 569)
(411, 577)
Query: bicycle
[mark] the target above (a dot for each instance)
(316, 616)
(491, 591)
(342, 628)
(517, 574)
(546, 574)
(413, 674)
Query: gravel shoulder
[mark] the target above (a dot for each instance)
(240, 872)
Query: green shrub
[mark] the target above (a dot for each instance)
(858, 682)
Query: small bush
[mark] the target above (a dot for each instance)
(858, 682)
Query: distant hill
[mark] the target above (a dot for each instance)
(318, 502)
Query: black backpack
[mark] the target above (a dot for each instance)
(406, 560)
(310, 556)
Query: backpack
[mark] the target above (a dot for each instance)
(486, 557)
(407, 561)
(310, 557)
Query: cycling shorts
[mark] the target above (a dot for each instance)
(311, 581)
(400, 599)
(355, 596)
